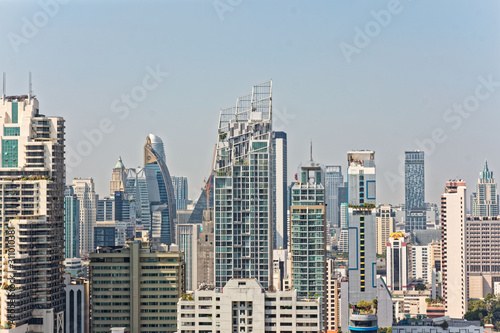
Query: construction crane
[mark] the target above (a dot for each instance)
(207, 183)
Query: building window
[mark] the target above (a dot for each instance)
(9, 153)
(14, 113)
(11, 131)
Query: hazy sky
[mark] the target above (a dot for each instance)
(384, 75)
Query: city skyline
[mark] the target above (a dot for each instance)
(401, 87)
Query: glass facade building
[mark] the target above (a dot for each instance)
(414, 191)
(333, 180)
(243, 194)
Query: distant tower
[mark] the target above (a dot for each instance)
(71, 224)
(414, 191)
(333, 180)
(84, 190)
(118, 177)
(385, 226)
(181, 192)
(485, 203)
(161, 192)
(243, 193)
(454, 250)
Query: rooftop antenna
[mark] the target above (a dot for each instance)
(311, 150)
(30, 92)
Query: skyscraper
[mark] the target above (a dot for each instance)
(333, 180)
(362, 232)
(85, 192)
(164, 214)
(414, 190)
(385, 226)
(243, 194)
(181, 192)
(32, 189)
(279, 188)
(71, 224)
(118, 177)
(308, 222)
(485, 203)
(454, 250)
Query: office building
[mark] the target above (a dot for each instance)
(136, 288)
(385, 226)
(483, 254)
(333, 180)
(308, 222)
(181, 192)
(84, 190)
(279, 188)
(420, 263)
(246, 306)
(414, 190)
(32, 183)
(243, 193)
(71, 224)
(454, 250)
(397, 262)
(485, 201)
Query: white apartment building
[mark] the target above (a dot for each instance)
(85, 193)
(454, 264)
(244, 306)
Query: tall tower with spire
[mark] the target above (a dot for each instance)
(485, 202)
(118, 177)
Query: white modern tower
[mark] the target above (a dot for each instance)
(32, 297)
(84, 189)
(454, 249)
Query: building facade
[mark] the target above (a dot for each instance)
(245, 306)
(454, 249)
(187, 240)
(279, 188)
(332, 298)
(181, 192)
(77, 305)
(397, 262)
(485, 202)
(333, 180)
(32, 180)
(385, 226)
(243, 193)
(308, 236)
(84, 190)
(71, 224)
(135, 288)
(414, 190)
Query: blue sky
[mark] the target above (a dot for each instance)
(393, 93)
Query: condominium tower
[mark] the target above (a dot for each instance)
(243, 193)
(279, 188)
(485, 201)
(32, 190)
(333, 180)
(84, 189)
(454, 250)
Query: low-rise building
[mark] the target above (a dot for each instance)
(245, 306)
(438, 325)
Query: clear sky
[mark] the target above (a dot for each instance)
(384, 75)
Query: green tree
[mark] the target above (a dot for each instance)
(420, 287)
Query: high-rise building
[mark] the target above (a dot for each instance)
(333, 180)
(243, 194)
(308, 222)
(485, 202)
(362, 228)
(32, 179)
(135, 288)
(397, 262)
(385, 226)
(279, 188)
(77, 304)
(454, 250)
(118, 177)
(161, 192)
(362, 261)
(420, 263)
(332, 298)
(414, 190)
(181, 192)
(187, 240)
(85, 192)
(71, 224)
(483, 254)
(206, 251)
